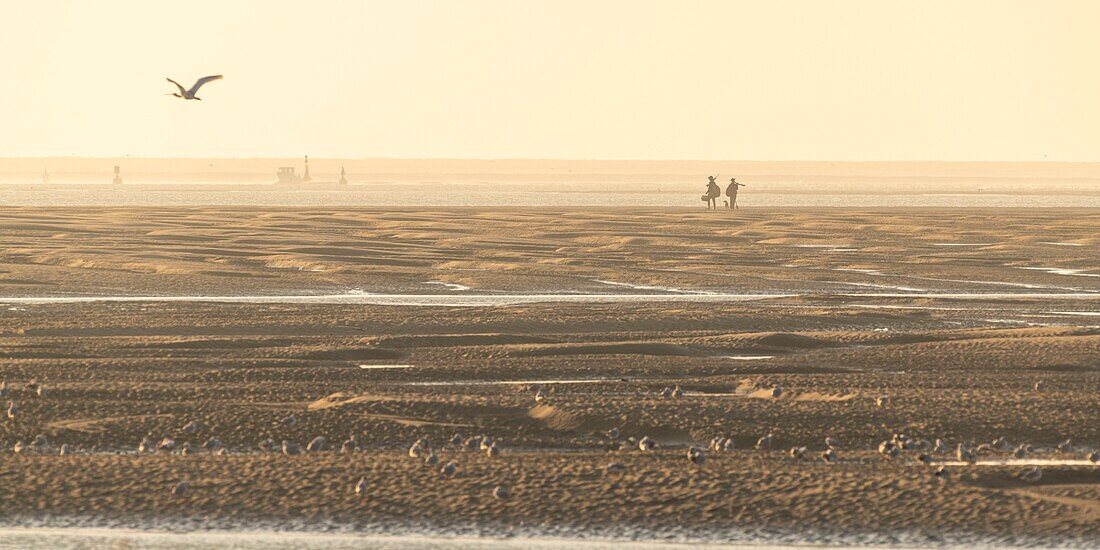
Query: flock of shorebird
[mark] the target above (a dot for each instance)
(922, 450)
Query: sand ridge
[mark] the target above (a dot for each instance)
(966, 371)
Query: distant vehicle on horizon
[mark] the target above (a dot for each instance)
(286, 174)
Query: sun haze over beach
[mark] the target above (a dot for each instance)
(719, 80)
(519, 274)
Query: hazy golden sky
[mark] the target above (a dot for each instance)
(857, 80)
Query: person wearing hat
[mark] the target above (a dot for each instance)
(731, 192)
(713, 192)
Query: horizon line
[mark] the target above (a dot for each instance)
(544, 159)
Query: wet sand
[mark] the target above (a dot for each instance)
(858, 304)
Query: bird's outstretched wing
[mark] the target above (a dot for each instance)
(198, 83)
(182, 91)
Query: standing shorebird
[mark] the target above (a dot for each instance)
(190, 94)
(421, 448)
(181, 489)
(888, 449)
(697, 455)
(939, 447)
(943, 474)
(361, 486)
(317, 444)
(1020, 452)
(449, 469)
(13, 411)
(289, 448)
(1032, 476)
(964, 454)
(765, 442)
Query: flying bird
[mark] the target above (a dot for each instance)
(190, 94)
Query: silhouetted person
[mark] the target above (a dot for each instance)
(713, 192)
(731, 192)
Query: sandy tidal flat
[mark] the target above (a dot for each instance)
(973, 324)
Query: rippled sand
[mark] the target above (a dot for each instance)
(97, 305)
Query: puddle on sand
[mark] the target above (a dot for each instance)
(454, 287)
(828, 247)
(499, 300)
(1021, 462)
(764, 393)
(1063, 271)
(1012, 322)
(978, 295)
(381, 367)
(509, 382)
(651, 287)
(892, 306)
(76, 537)
(964, 281)
(437, 300)
(859, 270)
(883, 287)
